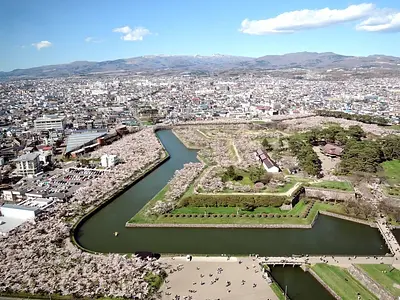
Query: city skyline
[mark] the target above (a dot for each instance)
(46, 33)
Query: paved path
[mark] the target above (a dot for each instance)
(239, 159)
(187, 277)
(342, 261)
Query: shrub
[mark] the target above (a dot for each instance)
(195, 216)
(233, 215)
(201, 216)
(252, 216)
(177, 216)
(271, 215)
(278, 215)
(232, 200)
(183, 215)
(264, 215)
(189, 215)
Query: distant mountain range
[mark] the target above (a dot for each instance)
(182, 63)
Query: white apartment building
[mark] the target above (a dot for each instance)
(108, 161)
(47, 122)
(28, 164)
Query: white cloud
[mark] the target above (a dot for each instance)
(91, 39)
(292, 21)
(385, 21)
(130, 34)
(42, 44)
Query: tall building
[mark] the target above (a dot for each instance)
(28, 164)
(47, 122)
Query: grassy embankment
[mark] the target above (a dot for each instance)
(392, 174)
(334, 185)
(277, 290)
(232, 215)
(341, 282)
(387, 276)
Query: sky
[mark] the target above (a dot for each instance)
(45, 32)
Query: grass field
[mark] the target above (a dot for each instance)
(336, 185)
(385, 275)
(342, 282)
(392, 171)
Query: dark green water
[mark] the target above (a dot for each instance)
(300, 285)
(396, 233)
(328, 236)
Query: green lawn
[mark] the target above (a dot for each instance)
(342, 282)
(385, 275)
(392, 171)
(147, 123)
(336, 185)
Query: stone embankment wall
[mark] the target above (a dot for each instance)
(369, 283)
(347, 218)
(327, 287)
(319, 193)
(166, 225)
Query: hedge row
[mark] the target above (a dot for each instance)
(232, 200)
(231, 216)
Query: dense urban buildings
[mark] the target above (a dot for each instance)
(68, 144)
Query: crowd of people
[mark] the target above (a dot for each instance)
(38, 257)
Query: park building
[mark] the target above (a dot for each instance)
(268, 164)
(49, 122)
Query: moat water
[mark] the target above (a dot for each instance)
(328, 236)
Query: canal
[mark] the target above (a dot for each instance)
(299, 285)
(328, 236)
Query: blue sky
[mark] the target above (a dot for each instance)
(43, 32)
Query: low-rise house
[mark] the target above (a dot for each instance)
(268, 164)
(332, 150)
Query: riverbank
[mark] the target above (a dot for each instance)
(111, 196)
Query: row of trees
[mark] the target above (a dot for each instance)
(308, 159)
(233, 200)
(355, 117)
(334, 134)
(256, 174)
(365, 156)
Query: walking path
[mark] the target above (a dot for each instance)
(388, 236)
